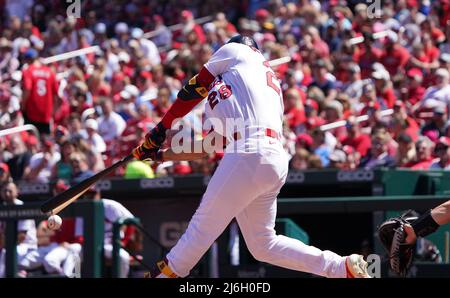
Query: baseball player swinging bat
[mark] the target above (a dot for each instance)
(56, 204)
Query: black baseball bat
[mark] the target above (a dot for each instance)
(62, 200)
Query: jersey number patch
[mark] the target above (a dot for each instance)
(271, 78)
(224, 93)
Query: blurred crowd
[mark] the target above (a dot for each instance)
(383, 68)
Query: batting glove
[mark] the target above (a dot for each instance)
(142, 153)
(156, 137)
(153, 141)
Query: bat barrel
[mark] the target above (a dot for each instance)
(76, 191)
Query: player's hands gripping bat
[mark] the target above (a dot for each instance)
(153, 141)
(392, 235)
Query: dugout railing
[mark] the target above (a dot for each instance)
(92, 213)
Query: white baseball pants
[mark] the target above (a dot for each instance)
(245, 186)
(124, 259)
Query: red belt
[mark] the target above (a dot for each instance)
(268, 132)
(272, 133)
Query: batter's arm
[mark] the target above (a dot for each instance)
(189, 96)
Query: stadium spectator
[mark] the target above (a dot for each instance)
(442, 152)
(92, 138)
(424, 147)
(80, 167)
(378, 156)
(19, 159)
(187, 20)
(436, 125)
(353, 87)
(4, 173)
(26, 228)
(401, 122)
(412, 91)
(147, 46)
(41, 164)
(395, 56)
(111, 124)
(320, 148)
(440, 92)
(40, 92)
(8, 62)
(355, 139)
(406, 153)
(163, 36)
(63, 168)
(338, 160)
(322, 80)
(383, 88)
(293, 109)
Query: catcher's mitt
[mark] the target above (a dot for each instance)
(392, 235)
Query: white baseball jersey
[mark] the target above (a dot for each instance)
(245, 186)
(246, 95)
(113, 212)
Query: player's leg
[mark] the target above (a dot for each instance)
(230, 189)
(72, 264)
(257, 222)
(124, 259)
(30, 258)
(54, 259)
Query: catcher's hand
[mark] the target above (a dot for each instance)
(392, 234)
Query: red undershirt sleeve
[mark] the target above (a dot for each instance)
(182, 107)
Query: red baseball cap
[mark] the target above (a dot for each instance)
(444, 141)
(61, 185)
(32, 140)
(157, 18)
(348, 149)
(411, 3)
(145, 74)
(296, 57)
(5, 95)
(4, 167)
(186, 14)
(182, 169)
(334, 2)
(312, 103)
(261, 13)
(118, 76)
(414, 72)
(305, 139)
